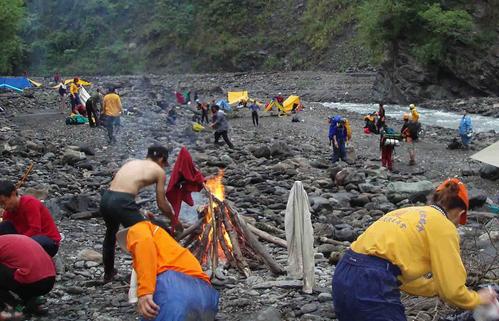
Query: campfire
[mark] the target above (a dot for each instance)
(222, 237)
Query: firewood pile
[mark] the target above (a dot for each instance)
(222, 236)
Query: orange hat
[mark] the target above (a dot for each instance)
(462, 193)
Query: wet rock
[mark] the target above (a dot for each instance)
(269, 314)
(263, 151)
(410, 187)
(279, 149)
(489, 172)
(309, 307)
(325, 297)
(477, 197)
(71, 157)
(345, 234)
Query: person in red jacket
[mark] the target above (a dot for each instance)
(26, 215)
(25, 269)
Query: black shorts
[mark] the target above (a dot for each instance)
(121, 208)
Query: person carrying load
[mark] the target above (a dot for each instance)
(370, 125)
(337, 138)
(409, 132)
(414, 113)
(388, 140)
(171, 283)
(413, 249)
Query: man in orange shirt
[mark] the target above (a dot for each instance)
(111, 111)
(171, 283)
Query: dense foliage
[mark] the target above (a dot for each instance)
(424, 25)
(11, 13)
(132, 36)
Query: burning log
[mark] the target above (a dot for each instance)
(222, 236)
(190, 230)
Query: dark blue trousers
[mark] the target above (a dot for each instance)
(365, 288)
(49, 245)
(339, 152)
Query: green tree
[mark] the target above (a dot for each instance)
(11, 14)
(424, 25)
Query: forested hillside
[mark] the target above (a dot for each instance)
(128, 36)
(425, 48)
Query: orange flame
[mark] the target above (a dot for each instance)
(215, 186)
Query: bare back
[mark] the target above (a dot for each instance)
(137, 174)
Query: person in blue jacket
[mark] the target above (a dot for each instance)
(465, 129)
(338, 138)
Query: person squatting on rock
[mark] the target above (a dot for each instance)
(26, 270)
(398, 252)
(221, 126)
(465, 129)
(338, 138)
(171, 282)
(26, 215)
(254, 112)
(111, 111)
(92, 108)
(409, 132)
(118, 206)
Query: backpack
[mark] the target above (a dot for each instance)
(413, 129)
(349, 129)
(76, 120)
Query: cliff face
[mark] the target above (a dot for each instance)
(466, 70)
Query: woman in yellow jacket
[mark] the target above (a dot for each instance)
(399, 252)
(171, 283)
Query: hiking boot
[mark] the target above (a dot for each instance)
(412, 162)
(34, 308)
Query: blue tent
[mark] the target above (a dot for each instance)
(223, 104)
(16, 83)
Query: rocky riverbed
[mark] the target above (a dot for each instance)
(74, 164)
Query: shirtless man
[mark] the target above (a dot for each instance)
(118, 202)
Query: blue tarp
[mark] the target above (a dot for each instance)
(17, 82)
(223, 104)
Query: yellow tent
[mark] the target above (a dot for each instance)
(81, 82)
(236, 96)
(34, 83)
(287, 106)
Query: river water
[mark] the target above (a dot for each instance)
(430, 117)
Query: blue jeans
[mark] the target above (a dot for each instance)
(365, 288)
(111, 122)
(339, 152)
(465, 139)
(184, 298)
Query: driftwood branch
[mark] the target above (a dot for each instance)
(275, 267)
(268, 237)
